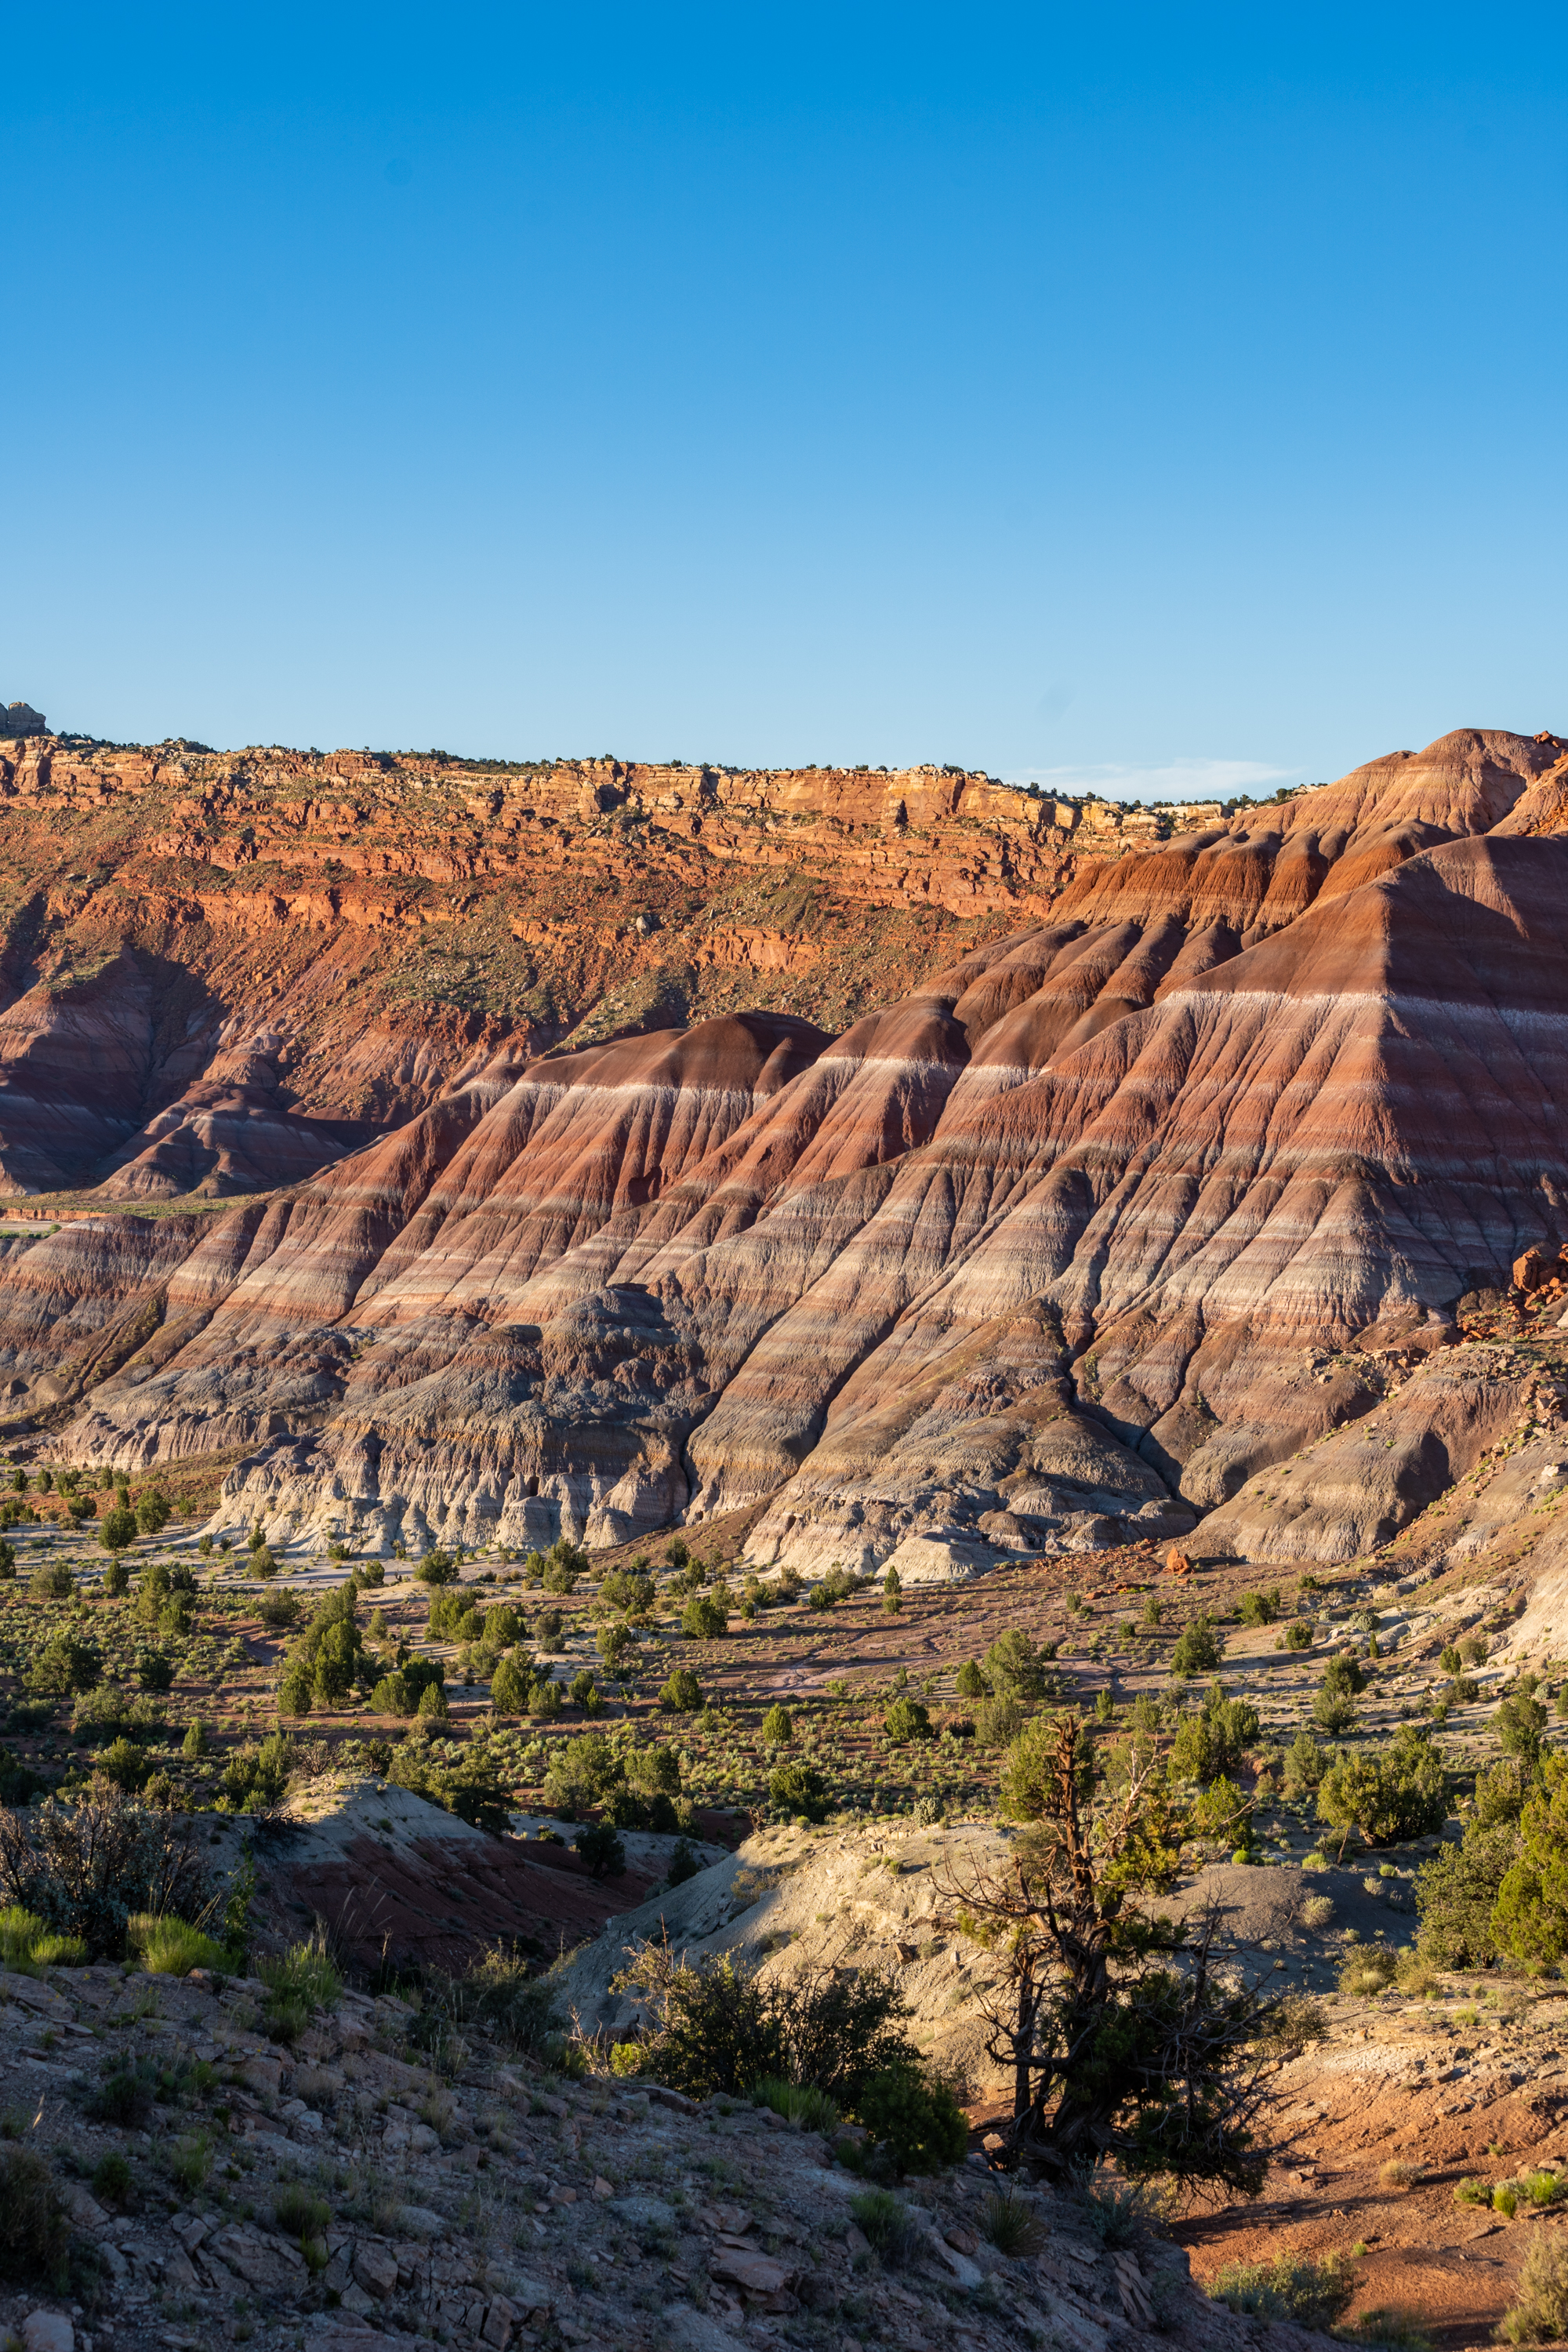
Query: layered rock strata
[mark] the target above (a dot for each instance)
(1064, 1247)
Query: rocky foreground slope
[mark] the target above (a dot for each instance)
(357, 2182)
(1063, 1247)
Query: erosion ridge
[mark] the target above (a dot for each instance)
(1084, 1231)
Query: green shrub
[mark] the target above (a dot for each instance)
(998, 1722)
(905, 1720)
(169, 1948)
(704, 1619)
(1028, 1770)
(969, 1682)
(189, 2161)
(1530, 1917)
(1505, 2199)
(1401, 1791)
(83, 1867)
(1006, 2223)
(682, 1693)
(1198, 1650)
(800, 1789)
(1456, 1893)
(837, 1585)
(565, 1562)
(1299, 1635)
(65, 1665)
(683, 1864)
(297, 2213)
(798, 2103)
(508, 1689)
(1311, 2293)
(600, 1847)
(1334, 1712)
(116, 1529)
(124, 1763)
(778, 1727)
(433, 1702)
(1222, 1812)
(1520, 1723)
(33, 2227)
(548, 1630)
(301, 1981)
(633, 1595)
(27, 1944)
(112, 2180)
(885, 2223)
(1212, 1744)
(1472, 2192)
(544, 1701)
(1305, 1763)
(916, 2124)
(617, 1645)
(437, 1568)
(52, 1582)
(1538, 2314)
(719, 2028)
(1367, 1970)
(1259, 1608)
(470, 1788)
(124, 2097)
(256, 1777)
(1014, 1667)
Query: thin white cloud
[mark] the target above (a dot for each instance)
(1181, 779)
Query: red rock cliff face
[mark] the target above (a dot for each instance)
(217, 971)
(1057, 1249)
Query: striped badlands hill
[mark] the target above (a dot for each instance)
(1062, 1248)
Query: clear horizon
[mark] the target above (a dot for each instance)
(1159, 408)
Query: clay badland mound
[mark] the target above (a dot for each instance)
(1076, 1236)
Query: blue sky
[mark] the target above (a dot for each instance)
(1154, 399)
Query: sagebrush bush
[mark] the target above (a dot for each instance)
(84, 1868)
(1312, 2294)
(1538, 2314)
(1368, 1970)
(717, 2028)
